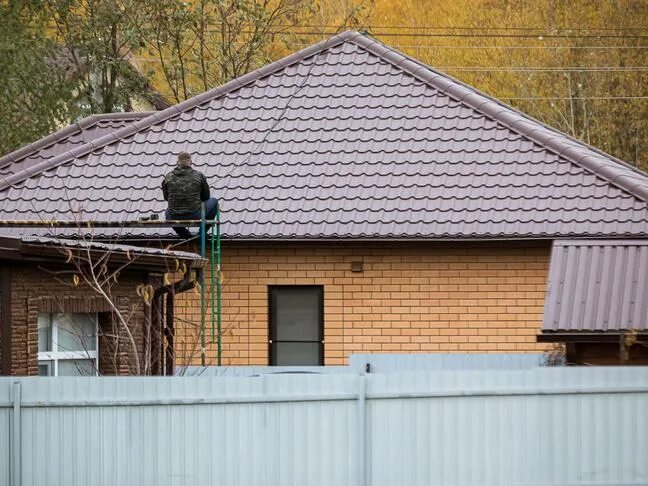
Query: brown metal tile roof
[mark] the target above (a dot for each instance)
(597, 286)
(57, 143)
(348, 139)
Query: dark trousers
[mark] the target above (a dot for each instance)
(211, 207)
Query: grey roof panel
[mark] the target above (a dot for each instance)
(110, 247)
(597, 286)
(348, 139)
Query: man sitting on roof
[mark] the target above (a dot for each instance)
(186, 189)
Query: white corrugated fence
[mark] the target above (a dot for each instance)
(544, 426)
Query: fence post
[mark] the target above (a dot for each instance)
(15, 465)
(363, 458)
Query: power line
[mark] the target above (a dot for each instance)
(457, 27)
(456, 46)
(559, 69)
(565, 98)
(495, 36)
(435, 46)
(538, 36)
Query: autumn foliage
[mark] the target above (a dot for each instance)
(579, 66)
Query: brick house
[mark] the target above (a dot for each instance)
(370, 204)
(54, 323)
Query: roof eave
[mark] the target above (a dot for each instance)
(588, 336)
(132, 261)
(16, 250)
(397, 239)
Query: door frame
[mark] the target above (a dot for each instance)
(272, 319)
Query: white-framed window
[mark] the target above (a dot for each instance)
(68, 344)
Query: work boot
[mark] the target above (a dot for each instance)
(183, 232)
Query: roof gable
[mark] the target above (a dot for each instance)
(349, 138)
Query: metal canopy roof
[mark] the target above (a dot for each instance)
(597, 286)
(35, 248)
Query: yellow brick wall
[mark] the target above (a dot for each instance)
(416, 298)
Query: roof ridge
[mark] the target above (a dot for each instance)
(70, 129)
(611, 169)
(164, 115)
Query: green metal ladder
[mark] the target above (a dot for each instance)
(215, 284)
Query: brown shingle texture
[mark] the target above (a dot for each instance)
(348, 139)
(72, 136)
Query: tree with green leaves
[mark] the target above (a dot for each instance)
(100, 37)
(34, 76)
(72, 58)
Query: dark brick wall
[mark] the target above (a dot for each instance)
(5, 318)
(35, 290)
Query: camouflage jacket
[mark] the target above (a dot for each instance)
(185, 188)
